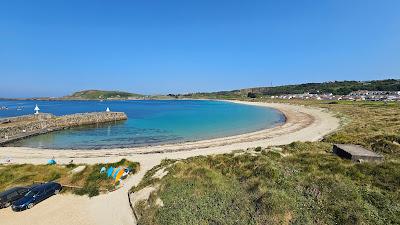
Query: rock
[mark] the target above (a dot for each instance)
(277, 149)
(78, 169)
(159, 202)
(160, 173)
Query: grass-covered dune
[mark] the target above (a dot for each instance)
(308, 186)
(90, 180)
(300, 183)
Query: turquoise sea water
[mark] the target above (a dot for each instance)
(149, 122)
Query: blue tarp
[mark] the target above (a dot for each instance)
(51, 162)
(110, 171)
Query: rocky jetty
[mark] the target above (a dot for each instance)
(15, 128)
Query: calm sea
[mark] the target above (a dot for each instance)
(150, 122)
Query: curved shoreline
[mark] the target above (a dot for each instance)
(303, 124)
(194, 142)
(297, 118)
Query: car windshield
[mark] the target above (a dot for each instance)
(32, 193)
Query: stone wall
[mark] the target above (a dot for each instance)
(25, 118)
(20, 127)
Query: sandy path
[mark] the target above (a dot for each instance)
(303, 124)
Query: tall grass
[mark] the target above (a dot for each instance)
(27, 174)
(309, 186)
(374, 125)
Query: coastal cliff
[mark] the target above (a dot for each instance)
(15, 128)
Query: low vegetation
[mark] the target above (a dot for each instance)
(27, 174)
(307, 186)
(299, 183)
(374, 125)
(87, 182)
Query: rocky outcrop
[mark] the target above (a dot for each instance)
(15, 128)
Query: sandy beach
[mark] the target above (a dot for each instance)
(302, 124)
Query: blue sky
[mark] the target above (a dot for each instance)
(52, 48)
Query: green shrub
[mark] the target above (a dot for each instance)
(385, 145)
(54, 175)
(71, 166)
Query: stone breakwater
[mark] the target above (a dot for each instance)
(15, 128)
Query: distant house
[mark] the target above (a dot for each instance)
(355, 153)
(375, 95)
(359, 93)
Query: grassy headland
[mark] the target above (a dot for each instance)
(101, 95)
(299, 183)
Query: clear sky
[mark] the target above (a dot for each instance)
(54, 47)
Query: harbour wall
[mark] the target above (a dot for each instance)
(15, 128)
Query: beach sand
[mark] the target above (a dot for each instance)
(302, 124)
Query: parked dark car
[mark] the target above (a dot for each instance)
(36, 195)
(9, 196)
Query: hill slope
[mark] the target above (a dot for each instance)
(99, 94)
(335, 87)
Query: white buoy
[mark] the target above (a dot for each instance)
(36, 110)
(108, 109)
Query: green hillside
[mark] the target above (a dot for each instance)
(334, 87)
(99, 94)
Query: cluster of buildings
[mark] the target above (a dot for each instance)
(375, 95)
(362, 95)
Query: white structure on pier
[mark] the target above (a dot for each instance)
(36, 110)
(108, 109)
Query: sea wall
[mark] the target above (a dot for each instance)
(15, 128)
(25, 118)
